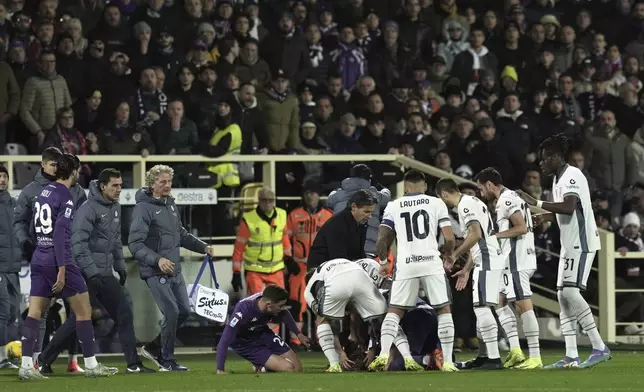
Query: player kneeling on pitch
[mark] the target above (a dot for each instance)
(248, 334)
(330, 288)
(415, 220)
(53, 272)
(514, 220)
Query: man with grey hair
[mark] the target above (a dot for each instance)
(156, 235)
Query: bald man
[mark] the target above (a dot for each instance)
(262, 246)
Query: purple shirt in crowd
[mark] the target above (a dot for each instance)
(248, 323)
(52, 219)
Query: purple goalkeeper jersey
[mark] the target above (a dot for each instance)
(53, 213)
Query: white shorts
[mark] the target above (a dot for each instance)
(486, 286)
(355, 287)
(516, 285)
(574, 268)
(404, 292)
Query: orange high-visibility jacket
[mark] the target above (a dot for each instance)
(302, 227)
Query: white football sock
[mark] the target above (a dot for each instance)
(568, 325)
(35, 356)
(531, 332)
(402, 344)
(388, 332)
(90, 362)
(584, 316)
(326, 340)
(482, 346)
(489, 331)
(72, 357)
(3, 350)
(508, 322)
(446, 335)
(27, 362)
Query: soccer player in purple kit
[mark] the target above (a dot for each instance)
(53, 272)
(248, 334)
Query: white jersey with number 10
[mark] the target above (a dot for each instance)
(486, 253)
(519, 251)
(416, 219)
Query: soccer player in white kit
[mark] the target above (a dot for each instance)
(488, 263)
(514, 221)
(329, 289)
(414, 221)
(579, 243)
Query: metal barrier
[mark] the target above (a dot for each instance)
(606, 256)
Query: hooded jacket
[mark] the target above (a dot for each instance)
(449, 49)
(338, 202)
(96, 235)
(10, 253)
(156, 231)
(23, 224)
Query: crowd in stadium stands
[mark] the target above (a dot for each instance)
(457, 84)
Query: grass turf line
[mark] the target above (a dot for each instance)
(623, 373)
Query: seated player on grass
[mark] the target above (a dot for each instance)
(248, 334)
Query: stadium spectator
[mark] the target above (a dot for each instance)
(174, 133)
(280, 113)
(9, 100)
(42, 97)
(250, 67)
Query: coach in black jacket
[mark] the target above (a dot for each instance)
(344, 234)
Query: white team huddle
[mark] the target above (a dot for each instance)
(501, 259)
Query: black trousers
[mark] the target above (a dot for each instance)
(109, 293)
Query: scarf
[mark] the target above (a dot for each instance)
(328, 29)
(290, 34)
(162, 100)
(279, 97)
(316, 54)
(363, 44)
(71, 146)
(476, 57)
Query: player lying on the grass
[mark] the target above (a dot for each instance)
(517, 240)
(330, 288)
(248, 334)
(488, 263)
(579, 243)
(53, 272)
(415, 220)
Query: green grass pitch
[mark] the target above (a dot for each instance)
(625, 372)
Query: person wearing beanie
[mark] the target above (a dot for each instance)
(10, 265)
(302, 226)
